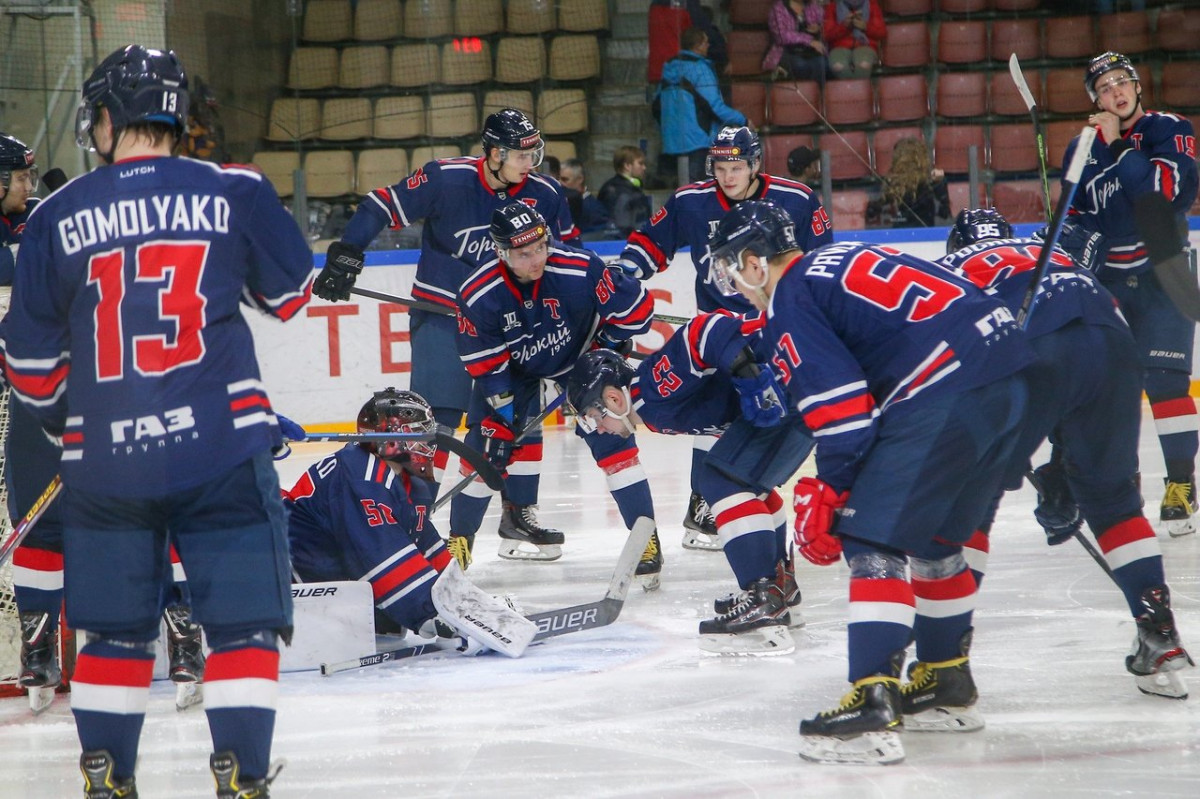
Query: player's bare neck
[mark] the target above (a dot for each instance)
(132, 147)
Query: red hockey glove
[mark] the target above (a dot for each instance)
(815, 504)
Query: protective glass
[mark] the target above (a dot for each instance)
(722, 266)
(522, 158)
(1104, 88)
(85, 120)
(17, 177)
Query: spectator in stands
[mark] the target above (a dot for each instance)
(627, 205)
(797, 49)
(591, 215)
(914, 193)
(692, 109)
(804, 164)
(668, 19)
(553, 167)
(854, 30)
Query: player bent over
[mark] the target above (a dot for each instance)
(1070, 399)
(359, 514)
(907, 375)
(706, 379)
(734, 166)
(127, 341)
(530, 315)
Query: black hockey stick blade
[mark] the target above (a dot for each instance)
(48, 495)
(419, 305)
(378, 658)
(1078, 535)
(1157, 224)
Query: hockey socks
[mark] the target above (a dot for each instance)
(240, 692)
(1133, 553)
(109, 693)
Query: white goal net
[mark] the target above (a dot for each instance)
(10, 628)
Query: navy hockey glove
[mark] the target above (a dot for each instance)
(497, 430)
(343, 263)
(1089, 250)
(759, 393)
(1056, 510)
(622, 348)
(290, 430)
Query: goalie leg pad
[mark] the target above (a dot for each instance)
(480, 616)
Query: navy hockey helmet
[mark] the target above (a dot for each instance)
(1103, 64)
(760, 226)
(975, 225)
(395, 411)
(516, 225)
(135, 85)
(15, 156)
(735, 144)
(509, 129)
(593, 372)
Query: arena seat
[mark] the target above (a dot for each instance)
(574, 58)
(776, 148)
(423, 155)
(1071, 38)
(399, 118)
(884, 141)
(1019, 200)
(961, 94)
(530, 16)
(849, 154)
(962, 42)
(1013, 148)
(750, 97)
(279, 167)
(794, 102)
(329, 173)
(959, 194)
(293, 118)
(751, 13)
(906, 46)
(1180, 85)
(415, 65)
(850, 101)
(497, 99)
(1126, 32)
(1058, 136)
(562, 150)
(962, 6)
(951, 148)
(1178, 28)
(478, 17)
(428, 19)
(1065, 93)
(580, 16)
(746, 51)
(562, 111)
(466, 62)
(327, 21)
(1021, 36)
(903, 98)
(907, 8)
(520, 59)
(1005, 100)
(313, 68)
(346, 119)
(363, 67)
(379, 167)
(378, 20)
(849, 211)
(452, 115)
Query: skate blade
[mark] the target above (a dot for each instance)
(40, 698)
(702, 542)
(188, 694)
(948, 718)
(868, 749)
(762, 642)
(797, 618)
(1167, 684)
(523, 550)
(1178, 528)
(648, 582)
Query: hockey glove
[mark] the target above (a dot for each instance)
(1056, 510)
(815, 503)
(290, 430)
(343, 263)
(1088, 249)
(607, 342)
(497, 430)
(761, 398)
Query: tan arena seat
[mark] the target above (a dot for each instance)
(478, 17)
(530, 16)
(399, 118)
(562, 150)
(415, 65)
(423, 155)
(561, 111)
(380, 167)
(327, 21)
(582, 15)
(292, 119)
(466, 61)
(329, 173)
(364, 67)
(279, 168)
(425, 19)
(451, 115)
(313, 68)
(497, 99)
(378, 20)
(520, 59)
(346, 119)
(574, 57)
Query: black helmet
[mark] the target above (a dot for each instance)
(393, 411)
(735, 144)
(760, 226)
(14, 156)
(509, 129)
(515, 225)
(1103, 63)
(593, 372)
(135, 84)
(980, 224)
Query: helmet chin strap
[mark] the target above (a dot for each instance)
(759, 289)
(496, 172)
(624, 417)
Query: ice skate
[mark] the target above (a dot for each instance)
(1179, 507)
(700, 526)
(522, 537)
(230, 785)
(940, 697)
(864, 729)
(756, 625)
(785, 581)
(40, 671)
(98, 780)
(460, 548)
(1157, 656)
(185, 653)
(649, 568)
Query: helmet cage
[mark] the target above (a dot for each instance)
(392, 411)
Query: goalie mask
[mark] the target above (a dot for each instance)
(973, 226)
(593, 372)
(757, 226)
(393, 411)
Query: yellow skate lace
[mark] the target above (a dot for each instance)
(1178, 495)
(854, 698)
(923, 674)
(460, 550)
(651, 548)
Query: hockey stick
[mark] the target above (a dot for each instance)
(1083, 149)
(1078, 534)
(1157, 225)
(30, 519)
(551, 623)
(419, 305)
(1018, 77)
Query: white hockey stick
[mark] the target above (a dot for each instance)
(551, 623)
(1018, 77)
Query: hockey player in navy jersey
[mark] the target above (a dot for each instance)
(528, 316)
(686, 220)
(18, 182)
(455, 197)
(1137, 152)
(908, 377)
(707, 379)
(126, 339)
(1070, 398)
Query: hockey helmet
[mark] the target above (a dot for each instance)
(15, 156)
(592, 373)
(759, 226)
(1103, 64)
(516, 225)
(135, 85)
(394, 411)
(509, 129)
(975, 225)
(735, 144)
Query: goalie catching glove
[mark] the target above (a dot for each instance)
(343, 264)
(816, 503)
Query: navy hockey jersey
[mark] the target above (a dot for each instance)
(1003, 267)
(1161, 158)
(509, 330)
(352, 517)
(126, 333)
(691, 214)
(859, 330)
(11, 228)
(453, 198)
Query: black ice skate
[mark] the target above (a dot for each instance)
(1157, 656)
(864, 729)
(522, 537)
(940, 697)
(649, 568)
(98, 780)
(785, 581)
(460, 547)
(756, 625)
(40, 670)
(1179, 507)
(231, 785)
(185, 654)
(700, 526)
